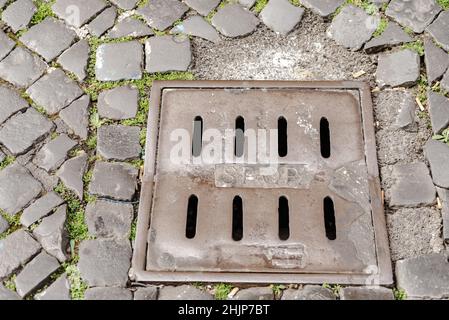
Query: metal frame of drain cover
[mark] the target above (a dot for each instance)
(381, 274)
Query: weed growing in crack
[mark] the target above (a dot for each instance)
(13, 221)
(6, 162)
(381, 27)
(277, 289)
(443, 137)
(43, 11)
(259, 5)
(422, 89)
(77, 286)
(10, 283)
(335, 288)
(366, 5)
(444, 4)
(416, 46)
(399, 294)
(222, 290)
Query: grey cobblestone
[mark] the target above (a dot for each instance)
(42, 91)
(22, 68)
(105, 262)
(13, 197)
(35, 273)
(48, 38)
(19, 14)
(16, 250)
(40, 208)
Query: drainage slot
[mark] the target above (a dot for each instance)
(284, 219)
(282, 137)
(192, 212)
(329, 219)
(325, 138)
(239, 136)
(197, 139)
(237, 219)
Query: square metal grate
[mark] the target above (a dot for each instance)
(261, 182)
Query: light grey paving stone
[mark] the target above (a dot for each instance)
(22, 130)
(13, 197)
(49, 38)
(366, 293)
(10, 103)
(105, 263)
(198, 27)
(6, 45)
(393, 35)
(75, 59)
(35, 273)
(400, 68)
(438, 30)
(114, 180)
(443, 194)
(54, 91)
(414, 232)
(146, 293)
(322, 7)
(4, 225)
(258, 293)
(108, 219)
(247, 3)
(406, 118)
(437, 153)
(308, 292)
(102, 293)
(425, 276)
(16, 250)
(161, 14)
(130, 27)
(103, 22)
(416, 15)
(439, 111)
(76, 116)
(49, 181)
(118, 142)
(21, 67)
(167, 53)
(119, 61)
(412, 186)
(203, 7)
(7, 295)
(352, 27)
(125, 4)
(71, 174)
(18, 14)
(436, 59)
(40, 208)
(78, 12)
(445, 81)
(2, 156)
(234, 21)
(184, 292)
(119, 103)
(2, 3)
(52, 234)
(281, 16)
(54, 153)
(58, 290)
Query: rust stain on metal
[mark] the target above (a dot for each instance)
(314, 216)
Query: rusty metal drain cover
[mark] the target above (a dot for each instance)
(254, 181)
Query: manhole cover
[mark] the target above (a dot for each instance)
(273, 182)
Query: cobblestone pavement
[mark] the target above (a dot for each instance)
(74, 83)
